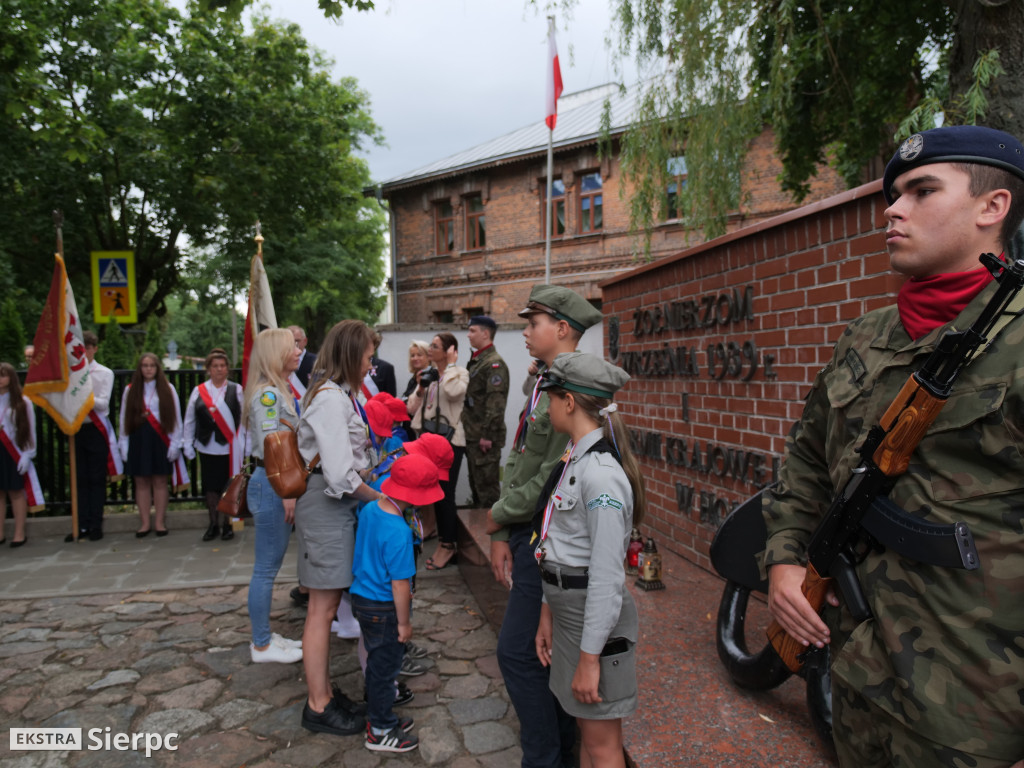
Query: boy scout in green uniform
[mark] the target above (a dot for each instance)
(483, 415)
(556, 319)
(935, 676)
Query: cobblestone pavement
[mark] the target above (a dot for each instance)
(177, 661)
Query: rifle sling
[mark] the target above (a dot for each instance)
(945, 546)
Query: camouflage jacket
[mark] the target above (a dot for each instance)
(943, 652)
(486, 395)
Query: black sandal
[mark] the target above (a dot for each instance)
(431, 566)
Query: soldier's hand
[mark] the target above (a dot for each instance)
(790, 608)
(485, 445)
(501, 562)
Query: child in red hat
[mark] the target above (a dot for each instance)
(382, 594)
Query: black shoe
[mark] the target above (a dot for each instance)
(96, 535)
(211, 533)
(162, 533)
(299, 597)
(143, 534)
(346, 704)
(71, 537)
(403, 695)
(16, 544)
(227, 533)
(331, 720)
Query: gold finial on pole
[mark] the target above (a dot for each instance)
(58, 223)
(259, 239)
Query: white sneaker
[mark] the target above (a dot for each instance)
(276, 638)
(275, 652)
(345, 624)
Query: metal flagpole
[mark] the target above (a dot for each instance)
(547, 226)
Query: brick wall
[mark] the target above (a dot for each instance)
(723, 341)
(498, 277)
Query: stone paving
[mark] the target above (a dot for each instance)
(177, 661)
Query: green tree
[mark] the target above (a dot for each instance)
(154, 341)
(12, 334)
(116, 350)
(834, 80)
(170, 136)
(198, 321)
(332, 8)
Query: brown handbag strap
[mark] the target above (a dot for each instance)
(316, 459)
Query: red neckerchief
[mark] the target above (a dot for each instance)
(925, 303)
(481, 350)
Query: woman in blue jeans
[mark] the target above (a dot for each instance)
(267, 400)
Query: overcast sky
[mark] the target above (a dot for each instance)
(446, 75)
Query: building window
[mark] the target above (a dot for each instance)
(676, 185)
(591, 218)
(557, 208)
(471, 312)
(444, 227)
(444, 316)
(476, 226)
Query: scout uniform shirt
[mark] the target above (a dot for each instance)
(943, 652)
(265, 413)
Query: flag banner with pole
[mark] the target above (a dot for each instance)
(58, 373)
(260, 314)
(554, 77)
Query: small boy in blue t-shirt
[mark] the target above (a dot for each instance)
(381, 592)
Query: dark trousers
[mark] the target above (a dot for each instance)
(484, 473)
(91, 475)
(445, 509)
(378, 624)
(546, 733)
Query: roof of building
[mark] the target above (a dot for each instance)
(579, 121)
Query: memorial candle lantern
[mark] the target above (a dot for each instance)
(649, 564)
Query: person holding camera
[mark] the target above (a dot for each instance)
(436, 406)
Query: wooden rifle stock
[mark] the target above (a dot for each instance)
(815, 588)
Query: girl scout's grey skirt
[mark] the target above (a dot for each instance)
(326, 530)
(617, 686)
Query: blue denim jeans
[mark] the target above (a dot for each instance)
(546, 733)
(271, 542)
(378, 623)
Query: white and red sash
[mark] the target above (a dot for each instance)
(179, 479)
(33, 491)
(225, 422)
(115, 467)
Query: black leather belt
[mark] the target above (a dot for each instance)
(565, 580)
(258, 462)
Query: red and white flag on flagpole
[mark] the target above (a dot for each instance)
(58, 374)
(554, 77)
(260, 314)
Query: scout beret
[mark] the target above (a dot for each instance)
(562, 304)
(584, 373)
(483, 320)
(955, 144)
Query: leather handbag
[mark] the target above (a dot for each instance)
(286, 471)
(233, 501)
(439, 425)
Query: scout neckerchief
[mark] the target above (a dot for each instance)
(298, 391)
(519, 442)
(33, 491)
(221, 420)
(366, 422)
(179, 479)
(541, 535)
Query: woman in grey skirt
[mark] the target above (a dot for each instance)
(593, 498)
(325, 515)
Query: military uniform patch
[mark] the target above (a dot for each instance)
(604, 500)
(496, 380)
(268, 399)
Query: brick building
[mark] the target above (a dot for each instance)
(467, 231)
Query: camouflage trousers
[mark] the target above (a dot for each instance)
(868, 737)
(484, 469)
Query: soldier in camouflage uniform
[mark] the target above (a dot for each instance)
(936, 676)
(483, 415)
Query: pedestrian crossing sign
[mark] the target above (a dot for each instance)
(113, 287)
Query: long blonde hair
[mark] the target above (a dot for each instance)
(270, 352)
(614, 430)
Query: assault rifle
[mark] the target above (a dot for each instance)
(861, 508)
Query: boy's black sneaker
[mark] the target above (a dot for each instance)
(414, 651)
(403, 695)
(332, 720)
(300, 598)
(392, 741)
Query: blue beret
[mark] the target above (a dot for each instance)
(955, 144)
(483, 320)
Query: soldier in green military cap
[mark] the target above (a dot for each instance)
(935, 676)
(556, 319)
(483, 414)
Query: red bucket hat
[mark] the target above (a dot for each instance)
(395, 406)
(379, 418)
(413, 479)
(435, 448)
